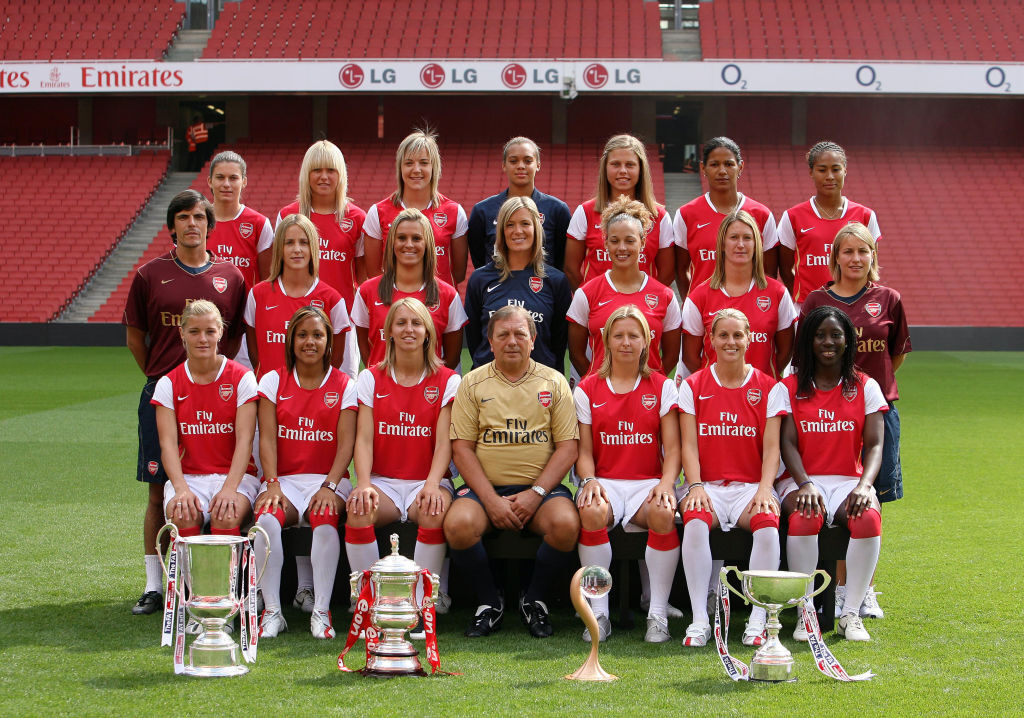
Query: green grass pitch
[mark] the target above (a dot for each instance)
(70, 569)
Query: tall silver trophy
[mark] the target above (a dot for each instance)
(774, 591)
(217, 581)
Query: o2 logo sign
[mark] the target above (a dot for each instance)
(995, 77)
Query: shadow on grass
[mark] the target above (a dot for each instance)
(136, 680)
(83, 626)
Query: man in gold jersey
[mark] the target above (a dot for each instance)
(514, 437)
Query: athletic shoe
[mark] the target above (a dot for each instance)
(840, 600)
(800, 632)
(320, 625)
(304, 600)
(420, 632)
(604, 629)
(754, 634)
(670, 610)
(149, 602)
(869, 607)
(486, 621)
(443, 605)
(657, 630)
(272, 624)
(535, 617)
(698, 634)
(852, 628)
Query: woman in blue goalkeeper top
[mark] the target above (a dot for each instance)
(518, 276)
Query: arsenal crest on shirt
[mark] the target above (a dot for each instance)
(345, 224)
(245, 229)
(440, 219)
(873, 308)
(652, 300)
(541, 214)
(850, 393)
(753, 396)
(544, 397)
(152, 467)
(431, 393)
(226, 391)
(330, 399)
(318, 303)
(220, 284)
(648, 401)
(764, 303)
(536, 284)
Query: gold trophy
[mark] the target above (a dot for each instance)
(594, 581)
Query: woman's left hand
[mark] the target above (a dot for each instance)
(859, 500)
(325, 501)
(430, 501)
(764, 503)
(662, 496)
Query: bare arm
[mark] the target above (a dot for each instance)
(253, 346)
(585, 466)
(666, 264)
(135, 340)
(786, 260)
(373, 256)
(452, 343)
(783, 349)
(267, 415)
(460, 251)
(771, 261)
(669, 349)
(363, 337)
(682, 271)
(575, 251)
(693, 349)
(338, 349)
(578, 336)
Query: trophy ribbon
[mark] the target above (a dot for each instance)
(248, 634)
(179, 638)
(736, 668)
(170, 595)
(430, 626)
(823, 658)
(360, 622)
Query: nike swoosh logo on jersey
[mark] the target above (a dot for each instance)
(487, 399)
(382, 396)
(378, 304)
(285, 398)
(491, 289)
(702, 397)
(267, 309)
(601, 304)
(711, 314)
(165, 281)
(182, 398)
(702, 226)
(598, 406)
(804, 231)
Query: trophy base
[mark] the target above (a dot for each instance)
(780, 672)
(214, 654)
(392, 665)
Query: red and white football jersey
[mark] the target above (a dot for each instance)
(626, 428)
(594, 302)
(269, 310)
(810, 236)
(447, 221)
(830, 424)
(370, 312)
(205, 414)
(585, 226)
(768, 310)
(696, 231)
(405, 420)
(239, 241)
(340, 244)
(307, 419)
(730, 423)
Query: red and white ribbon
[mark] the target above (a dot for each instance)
(179, 637)
(430, 626)
(823, 658)
(360, 622)
(170, 595)
(735, 668)
(247, 616)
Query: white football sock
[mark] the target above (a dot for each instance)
(861, 560)
(154, 573)
(662, 568)
(802, 554)
(361, 556)
(697, 566)
(303, 573)
(324, 559)
(270, 584)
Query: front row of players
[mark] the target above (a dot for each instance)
(514, 430)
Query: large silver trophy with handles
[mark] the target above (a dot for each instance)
(213, 578)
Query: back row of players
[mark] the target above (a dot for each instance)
(417, 239)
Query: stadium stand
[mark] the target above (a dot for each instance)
(470, 172)
(939, 31)
(439, 28)
(52, 30)
(74, 210)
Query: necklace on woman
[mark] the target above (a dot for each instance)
(833, 214)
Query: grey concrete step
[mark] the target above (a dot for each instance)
(129, 250)
(680, 188)
(188, 45)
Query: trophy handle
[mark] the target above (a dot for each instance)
(725, 579)
(169, 526)
(266, 540)
(431, 600)
(826, 579)
(355, 581)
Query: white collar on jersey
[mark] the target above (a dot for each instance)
(608, 381)
(280, 285)
(223, 363)
(844, 205)
(722, 289)
(295, 376)
(714, 375)
(391, 371)
(740, 199)
(608, 278)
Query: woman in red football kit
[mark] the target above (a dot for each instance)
(883, 341)
(834, 418)
(629, 462)
(294, 282)
(402, 445)
(622, 171)
(206, 417)
(730, 459)
(739, 282)
(624, 223)
(418, 172)
(307, 417)
(697, 222)
(409, 271)
(806, 231)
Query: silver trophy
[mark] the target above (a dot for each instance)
(211, 593)
(774, 591)
(395, 610)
